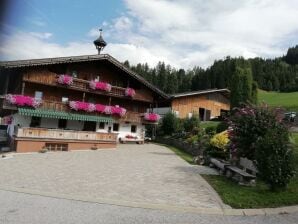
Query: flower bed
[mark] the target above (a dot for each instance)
(90, 107)
(151, 117)
(100, 85)
(65, 79)
(130, 92)
(20, 100)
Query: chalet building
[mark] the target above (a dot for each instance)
(79, 102)
(207, 104)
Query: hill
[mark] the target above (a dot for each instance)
(277, 99)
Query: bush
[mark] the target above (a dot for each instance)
(222, 126)
(211, 130)
(274, 159)
(169, 124)
(259, 134)
(191, 123)
(220, 141)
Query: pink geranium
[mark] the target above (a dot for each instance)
(20, 100)
(100, 85)
(65, 79)
(130, 92)
(116, 110)
(90, 107)
(151, 117)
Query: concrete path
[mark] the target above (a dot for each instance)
(147, 176)
(19, 208)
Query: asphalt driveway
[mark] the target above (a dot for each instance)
(132, 175)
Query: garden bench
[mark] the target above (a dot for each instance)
(219, 164)
(245, 174)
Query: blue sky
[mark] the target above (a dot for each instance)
(181, 33)
(68, 20)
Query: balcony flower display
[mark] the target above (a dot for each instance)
(100, 85)
(20, 100)
(151, 117)
(116, 110)
(65, 79)
(90, 107)
(130, 92)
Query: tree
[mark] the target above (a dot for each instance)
(169, 123)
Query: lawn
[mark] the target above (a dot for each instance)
(205, 124)
(277, 99)
(259, 196)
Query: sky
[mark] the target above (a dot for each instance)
(183, 33)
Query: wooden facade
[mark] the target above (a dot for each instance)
(39, 77)
(206, 104)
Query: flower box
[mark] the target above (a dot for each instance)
(21, 101)
(130, 92)
(65, 80)
(152, 117)
(95, 85)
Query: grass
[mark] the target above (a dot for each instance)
(205, 124)
(276, 99)
(256, 197)
(184, 155)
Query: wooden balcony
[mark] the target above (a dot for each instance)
(68, 135)
(130, 116)
(82, 85)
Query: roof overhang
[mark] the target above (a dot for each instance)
(225, 92)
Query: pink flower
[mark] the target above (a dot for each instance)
(130, 92)
(100, 85)
(151, 117)
(118, 111)
(100, 108)
(20, 100)
(65, 80)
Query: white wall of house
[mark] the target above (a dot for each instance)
(124, 128)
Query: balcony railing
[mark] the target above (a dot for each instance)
(44, 133)
(83, 85)
(130, 116)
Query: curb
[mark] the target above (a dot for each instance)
(165, 207)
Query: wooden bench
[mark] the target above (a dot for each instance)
(245, 174)
(221, 165)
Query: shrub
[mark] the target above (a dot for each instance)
(220, 140)
(259, 134)
(169, 124)
(211, 130)
(191, 123)
(274, 158)
(222, 126)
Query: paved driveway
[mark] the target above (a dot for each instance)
(136, 175)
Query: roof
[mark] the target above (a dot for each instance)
(62, 115)
(201, 92)
(76, 59)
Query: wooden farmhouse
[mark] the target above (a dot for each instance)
(207, 104)
(87, 102)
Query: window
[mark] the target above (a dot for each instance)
(38, 95)
(35, 122)
(62, 123)
(101, 125)
(89, 126)
(133, 129)
(64, 99)
(115, 127)
(75, 74)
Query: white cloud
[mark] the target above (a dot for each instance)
(182, 33)
(41, 35)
